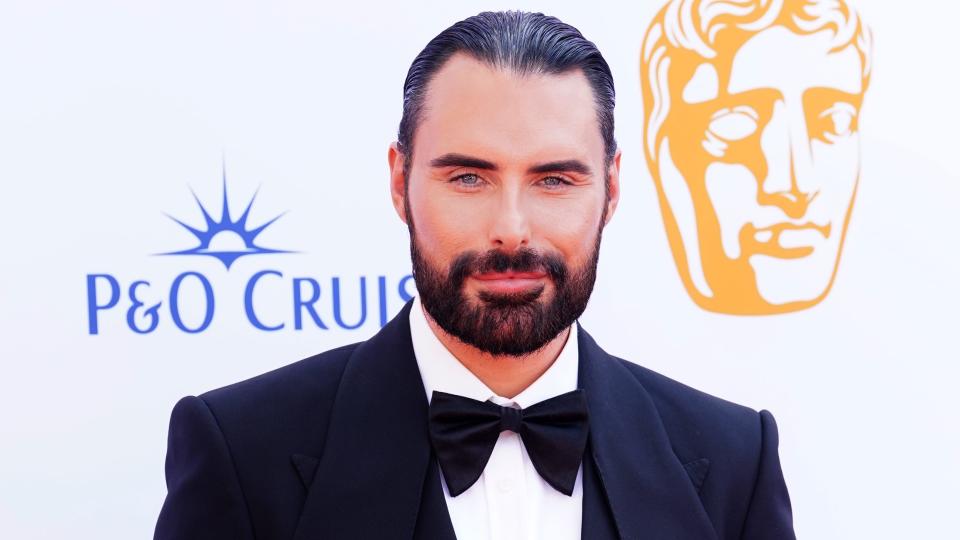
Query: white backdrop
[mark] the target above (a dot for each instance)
(111, 112)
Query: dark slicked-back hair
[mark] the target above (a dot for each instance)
(522, 42)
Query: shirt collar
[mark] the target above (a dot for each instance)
(441, 371)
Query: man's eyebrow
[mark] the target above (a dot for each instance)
(567, 165)
(461, 160)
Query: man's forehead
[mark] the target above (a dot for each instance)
(499, 112)
(463, 72)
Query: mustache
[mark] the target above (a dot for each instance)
(521, 260)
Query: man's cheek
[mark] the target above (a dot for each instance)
(439, 225)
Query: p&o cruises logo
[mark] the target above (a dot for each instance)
(227, 239)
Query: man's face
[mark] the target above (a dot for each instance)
(506, 199)
(765, 140)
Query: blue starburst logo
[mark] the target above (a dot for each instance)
(225, 239)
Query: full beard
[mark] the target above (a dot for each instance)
(504, 324)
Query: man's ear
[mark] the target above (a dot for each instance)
(398, 189)
(613, 186)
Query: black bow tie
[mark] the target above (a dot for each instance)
(464, 431)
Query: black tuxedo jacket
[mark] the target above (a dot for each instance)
(336, 447)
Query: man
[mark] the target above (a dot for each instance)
(752, 137)
(482, 410)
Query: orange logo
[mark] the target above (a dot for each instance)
(751, 133)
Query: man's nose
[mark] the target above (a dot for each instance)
(785, 143)
(509, 223)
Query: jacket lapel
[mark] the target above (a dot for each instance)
(433, 522)
(649, 492)
(377, 464)
(598, 523)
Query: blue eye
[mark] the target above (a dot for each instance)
(554, 182)
(468, 179)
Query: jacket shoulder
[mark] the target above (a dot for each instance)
(302, 375)
(701, 425)
(725, 449)
(252, 447)
(287, 407)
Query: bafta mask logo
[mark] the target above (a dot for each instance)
(751, 133)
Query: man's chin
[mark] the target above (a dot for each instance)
(509, 341)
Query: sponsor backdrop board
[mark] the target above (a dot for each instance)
(196, 192)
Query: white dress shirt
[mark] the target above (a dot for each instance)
(510, 500)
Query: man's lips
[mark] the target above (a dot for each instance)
(507, 282)
(499, 276)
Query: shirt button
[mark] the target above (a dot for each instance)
(505, 485)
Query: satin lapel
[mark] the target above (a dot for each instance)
(370, 479)
(649, 492)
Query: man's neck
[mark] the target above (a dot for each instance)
(507, 376)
